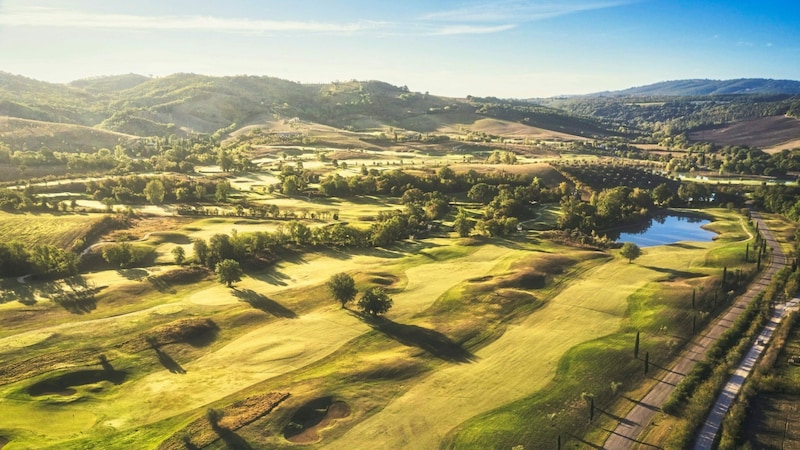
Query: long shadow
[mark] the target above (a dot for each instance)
(645, 405)
(675, 273)
(666, 370)
(264, 303)
(232, 440)
(628, 438)
(432, 341)
(682, 245)
(271, 276)
(133, 274)
(616, 417)
(585, 442)
(161, 285)
(166, 360)
(23, 293)
(77, 301)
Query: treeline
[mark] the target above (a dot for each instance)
(395, 182)
(779, 199)
(735, 159)
(659, 117)
(18, 259)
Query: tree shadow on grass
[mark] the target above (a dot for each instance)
(232, 440)
(676, 273)
(22, 293)
(432, 341)
(161, 285)
(133, 274)
(683, 245)
(76, 301)
(264, 303)
(271, 276)
(166, 360)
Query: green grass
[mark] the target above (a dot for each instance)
(61, 230)
(458, 305)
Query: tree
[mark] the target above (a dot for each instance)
(200, 251)
(630, 251)
(223, 189)
(375, 301)
(342, 287)
(229, 272)
(154, 192)
(179, 254)
(462, 224)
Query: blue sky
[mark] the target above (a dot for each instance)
(503, 48)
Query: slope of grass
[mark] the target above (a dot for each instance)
(61, 230)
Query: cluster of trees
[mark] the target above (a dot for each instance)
(735, 159)
(374, 301)
(599, 176)
(18, 259)
(608, 208)
(779, 199)
(125, 254)
(156, 190)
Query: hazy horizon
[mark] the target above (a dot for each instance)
(505, 48)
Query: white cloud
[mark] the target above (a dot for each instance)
(471, 29)
(519, 11)
(60, 18)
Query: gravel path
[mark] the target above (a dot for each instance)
(710, 430)
(626, 435)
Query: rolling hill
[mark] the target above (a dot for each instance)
(701, 87)
(189, 103)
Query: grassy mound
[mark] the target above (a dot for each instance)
(201, 433)
(64, 384)
(193, 331)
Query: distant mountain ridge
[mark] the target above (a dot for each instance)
(703, 87)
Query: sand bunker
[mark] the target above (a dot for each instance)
(313, 417)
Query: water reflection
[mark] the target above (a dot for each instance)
(665, 229)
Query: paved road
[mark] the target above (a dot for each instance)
(708, 434)
(626, 434)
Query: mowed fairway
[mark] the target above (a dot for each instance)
(276, 348)
(521, 362)
(298, 340)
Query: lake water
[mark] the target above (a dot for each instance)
(665, 230)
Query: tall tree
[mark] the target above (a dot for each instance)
(229, 271)
(179, 254)
(342, 287)
(154, 191)
(375, 301)
(630, 251)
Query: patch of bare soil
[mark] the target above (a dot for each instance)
(762, 132)
(314, 417)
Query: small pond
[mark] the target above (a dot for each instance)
(664, 230)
